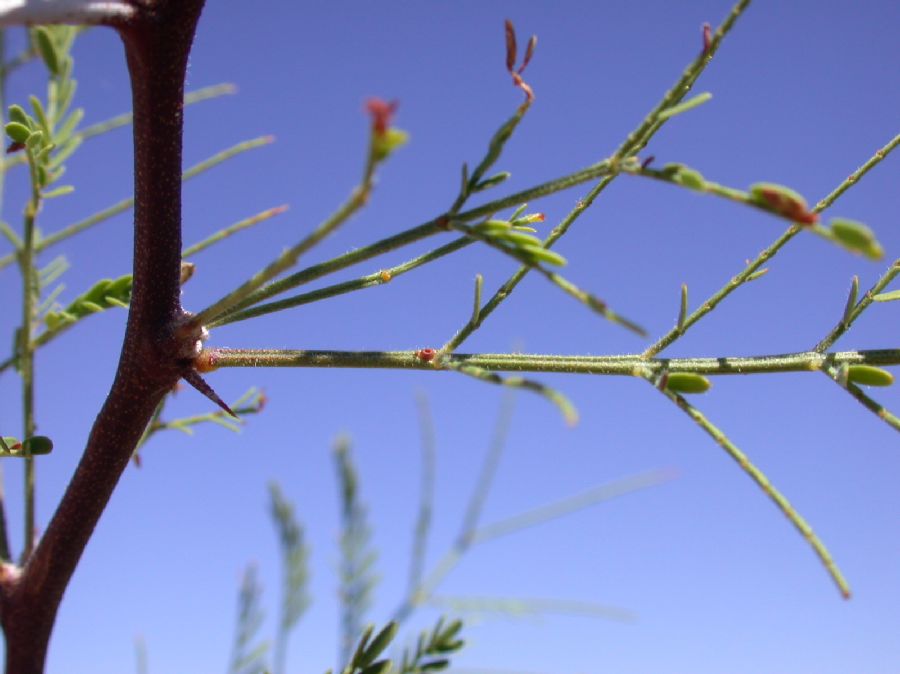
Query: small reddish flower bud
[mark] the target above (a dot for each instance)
(707, 37)
(382, 113)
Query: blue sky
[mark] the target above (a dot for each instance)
(719, 581)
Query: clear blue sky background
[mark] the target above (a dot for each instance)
(804, 92)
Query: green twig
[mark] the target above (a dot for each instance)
(635, 141)
(423, 589)
(850, 316)
(438, 225)
(763, 482)
(628, 365)
(223, 234)
(369, 281)
(25, 349)
(5, 552)
(552, 511)
(8, 231)
(125, 118)
(565, 406)
(125, 204)
(592, 302)
(252, 402)
(336, 264)
(751, 270)
(489, 466)
(524, 607)
(872, 405)
(358, 198)
(427, 472)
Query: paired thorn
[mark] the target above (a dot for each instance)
(192, 377)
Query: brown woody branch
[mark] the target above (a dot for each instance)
(157, 349)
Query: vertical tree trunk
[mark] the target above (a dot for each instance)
(157, 348)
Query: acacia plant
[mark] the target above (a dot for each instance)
(164, 343)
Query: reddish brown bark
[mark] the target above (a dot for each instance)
(157, 348)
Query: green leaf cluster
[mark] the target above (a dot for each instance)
(432, 649)
(515, 236)
(47, 133)
(104, 294)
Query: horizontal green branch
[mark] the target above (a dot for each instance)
(626, 365)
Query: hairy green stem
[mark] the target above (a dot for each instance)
(635, 141)
(369, 281)
(865, 400)
(288, 258)
(5, 553)
(767, 487)
(98, 129)
(846, 321)
(625, 365)
(427, 471)
(30, 291)
(747, 274)
(435, 226)
(125, 204)
(231, 230)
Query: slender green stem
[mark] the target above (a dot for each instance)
(336, 264)
(729, 193)
(565, 406)
(850, 316)
(427, 473)
(767, 487)
(423, 589)
(358, 198)
(632, 365)
(749, 272)
(252, 402)
(100, 128)
(30, 293)
(529, 606)
(599, 170)
(854, 177)
(590, 301)
(5, 553)
(635, 141)
(5, 229)
(873, 406)
(16, 62)
(713, 301)
(552, 511)
(436, 226)
(369, 281)
(125, 204)
(223, 234)
(196, 96)
(489, 466)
